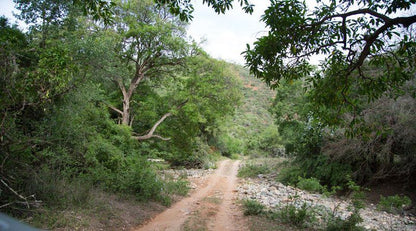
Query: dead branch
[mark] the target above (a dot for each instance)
(25, 200)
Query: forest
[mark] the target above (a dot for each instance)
(94, 93)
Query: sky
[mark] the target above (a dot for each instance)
(6, 8)
(225, 36)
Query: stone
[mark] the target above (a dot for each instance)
(274, 194)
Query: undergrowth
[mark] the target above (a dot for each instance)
(393, 204)
(252, 207)
(253, 170)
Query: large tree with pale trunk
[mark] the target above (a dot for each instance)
(150, 44)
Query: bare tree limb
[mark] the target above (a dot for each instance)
(153, 129)
(25, 200)
(114, 108)
(151, 134)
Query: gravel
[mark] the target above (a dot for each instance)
(275, 195)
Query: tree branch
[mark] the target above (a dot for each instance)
(25, 200)
(351, 13)
(114, 108)
(151, 134)
(405, 21)
(153, 129)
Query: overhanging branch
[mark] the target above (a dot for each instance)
(114, 108)
(153, 129)
(151, 132)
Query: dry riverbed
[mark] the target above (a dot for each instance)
(274, 195)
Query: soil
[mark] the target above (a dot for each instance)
(210, 207)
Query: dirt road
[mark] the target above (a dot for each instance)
(209, 208)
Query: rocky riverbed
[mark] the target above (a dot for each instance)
(275, 195)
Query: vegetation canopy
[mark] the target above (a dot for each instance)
(369, 44)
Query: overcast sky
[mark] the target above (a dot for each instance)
(6, 8)
(225, 35)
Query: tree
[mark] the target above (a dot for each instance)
(184, 8)
(47, 10)
(150, 45)
(212, 91)
(355, 41)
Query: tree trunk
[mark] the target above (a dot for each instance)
(126, 111)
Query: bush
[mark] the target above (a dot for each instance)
(310, 184)
(252, 170)
(141, 181)
(200, 156)
(229, 145)
(290, 175)
(393, 204)
(349, 224)
(298, 216)
(235, 156)
(55, 190)
(252, 207)
(178, 187)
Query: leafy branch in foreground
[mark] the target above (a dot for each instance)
(369, 48)
(184, 8)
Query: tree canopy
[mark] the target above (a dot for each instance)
(185, 8)
(77, 93)
(355, 37)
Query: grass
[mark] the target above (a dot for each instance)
(102, 211)
(393, 204)
(77, 204)
(297, 216)
(252, 170)
(195, 223)
(310, 184)
(288, 217)
(263, 223)
(257, 166)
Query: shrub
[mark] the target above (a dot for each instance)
(179, 187)
(55, 190)
(393, 204)
(290, 175)
(229, 145)
(252, 170)
(349, 224)
(142, 181)
(200, 156)
(310, 184)
(298, 216)
(252, 207)
(235, 156)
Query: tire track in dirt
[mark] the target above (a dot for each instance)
(229, 216)
(197, 209)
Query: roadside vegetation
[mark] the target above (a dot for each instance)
(86, 104)
(93, 90)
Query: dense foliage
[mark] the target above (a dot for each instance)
(85, 104)
(184, 8)
(368, 49)
(382, 147)
(93, 89)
